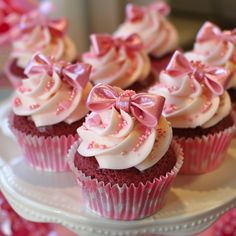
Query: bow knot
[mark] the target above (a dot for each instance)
(215, 78)
(210, 31)
(57, 27)
(102, 43)
(76, 75)
(146, 108)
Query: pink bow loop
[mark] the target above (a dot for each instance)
(210, 31)
(33, 19)
(76, 75)
(102, 43)
(161, 7)
(146, 108)
(134, 13)
(38, 64)
(215, 78)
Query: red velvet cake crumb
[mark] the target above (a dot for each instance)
(27, 126)
(16, 70)
(198, 131)
(89, 166)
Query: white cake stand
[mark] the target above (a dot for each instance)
(193, 204)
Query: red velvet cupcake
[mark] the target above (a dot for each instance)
(47, 109)
(124, 153)
(38, 34)
(199, 110)
(159, 36)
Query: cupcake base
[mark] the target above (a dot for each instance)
(204, 153)
(45, 149)
(123, 201)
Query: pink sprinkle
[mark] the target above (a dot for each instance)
(72, 94)
(171, 108)
(140, 117)
(102, 146)
(63, 106)
(17, 102)
(23, 89)
(206, 106)
(34, 106)
(49, 85)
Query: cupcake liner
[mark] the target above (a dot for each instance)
(125, 202)
(45, 153)
(15, 80)
(202, 155)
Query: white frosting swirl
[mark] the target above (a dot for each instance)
(158, 35)
(48, 100)
(190, 104)
(117, 68)
(119, 141)
(41, 40)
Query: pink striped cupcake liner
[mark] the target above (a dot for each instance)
(47, 154)
(205, 154)
(15, 80)
(125, 202)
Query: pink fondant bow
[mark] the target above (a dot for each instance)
(102, 43)
(215, 78)
(146, 108)
(76, 75)
(210, 31)
(56, 27)
(135, 13)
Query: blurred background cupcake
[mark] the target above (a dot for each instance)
(38, 34)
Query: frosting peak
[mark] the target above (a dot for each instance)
(116, 135)
(158, 35)
(194, 93)
(117, 61)
(54, 91)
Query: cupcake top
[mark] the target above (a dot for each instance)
(116, 61)
(10, 12)
(53, 92)
(194, 93)
(124, 129)
(216, 47)
(44, 35)
(159, 36)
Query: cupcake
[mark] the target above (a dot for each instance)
(124, 161)
(118, 62)
(218, 48)
(47, 109)
(11, 12)
(199, 110)
(159, 36)
(39, 34)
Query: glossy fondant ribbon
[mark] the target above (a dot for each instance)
(77, 75)
(215, 78)
(210, 31)
(146, 108)
(102, 43)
